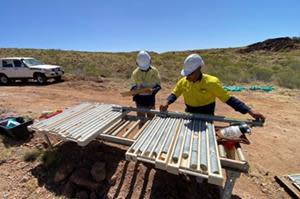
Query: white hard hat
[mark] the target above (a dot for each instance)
(191, 63)
(143, 60)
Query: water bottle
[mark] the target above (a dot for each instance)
(233, 132)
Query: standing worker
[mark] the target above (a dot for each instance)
(200, 90)
(146, 83)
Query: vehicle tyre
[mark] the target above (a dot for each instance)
(4, 79)
(41, 79)
(58, 78)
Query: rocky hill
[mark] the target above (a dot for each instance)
(277, 44)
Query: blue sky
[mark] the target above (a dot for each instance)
(156, 25)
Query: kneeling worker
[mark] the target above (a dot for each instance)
(200, 90)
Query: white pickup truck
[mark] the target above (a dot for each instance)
(24, 68)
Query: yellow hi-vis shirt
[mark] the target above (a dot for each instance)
(200, 93)
(145, 79)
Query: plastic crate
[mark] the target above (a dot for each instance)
(17, 132)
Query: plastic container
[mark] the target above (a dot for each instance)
(234, 132)
(15, 127)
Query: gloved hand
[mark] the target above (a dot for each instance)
(164, 107)
(257, 115)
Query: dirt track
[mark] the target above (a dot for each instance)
(274, 149)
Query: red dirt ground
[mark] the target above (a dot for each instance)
(274, 149)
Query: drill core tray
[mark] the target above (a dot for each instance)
(179, 145)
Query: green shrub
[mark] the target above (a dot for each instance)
(32, 155)
(289, 79)
(51, 158)
(228, 65)
(261, 74)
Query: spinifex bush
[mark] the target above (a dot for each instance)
(230, 66)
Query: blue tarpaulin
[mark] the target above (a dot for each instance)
(251, 88)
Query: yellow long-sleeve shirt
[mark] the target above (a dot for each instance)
(200, 93)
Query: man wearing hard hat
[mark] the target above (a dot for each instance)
(145, 76)
(200, 90)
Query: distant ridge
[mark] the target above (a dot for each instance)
(276, 44)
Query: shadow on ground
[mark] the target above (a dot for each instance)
(67, 171)
(9, 141)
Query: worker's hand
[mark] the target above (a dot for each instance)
(149, 90)
(257, 115)
(164, 107)
(141, 90)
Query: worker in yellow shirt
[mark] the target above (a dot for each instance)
(145, 76)
(200, 91)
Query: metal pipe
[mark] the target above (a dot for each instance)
(96, 123)
(194, 159)
(97, 127)
(81, 119)
(135, 143)
(187, 143)
(151, 135)
(193, 116)
(94, 134)
(94, 119)
(155, 135)
(80, 129)
(72, 124)
(66, 120)
(179, 142)
(294, 177)
(212, 149)
(77, 119)
(166, 133)
(194, 156)
(66, 112)
(144, 134)
(160, 131)
(203, 145)
(171, 136)
(100, 122)
(98, 113)
(60, 121)
(85, 123)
